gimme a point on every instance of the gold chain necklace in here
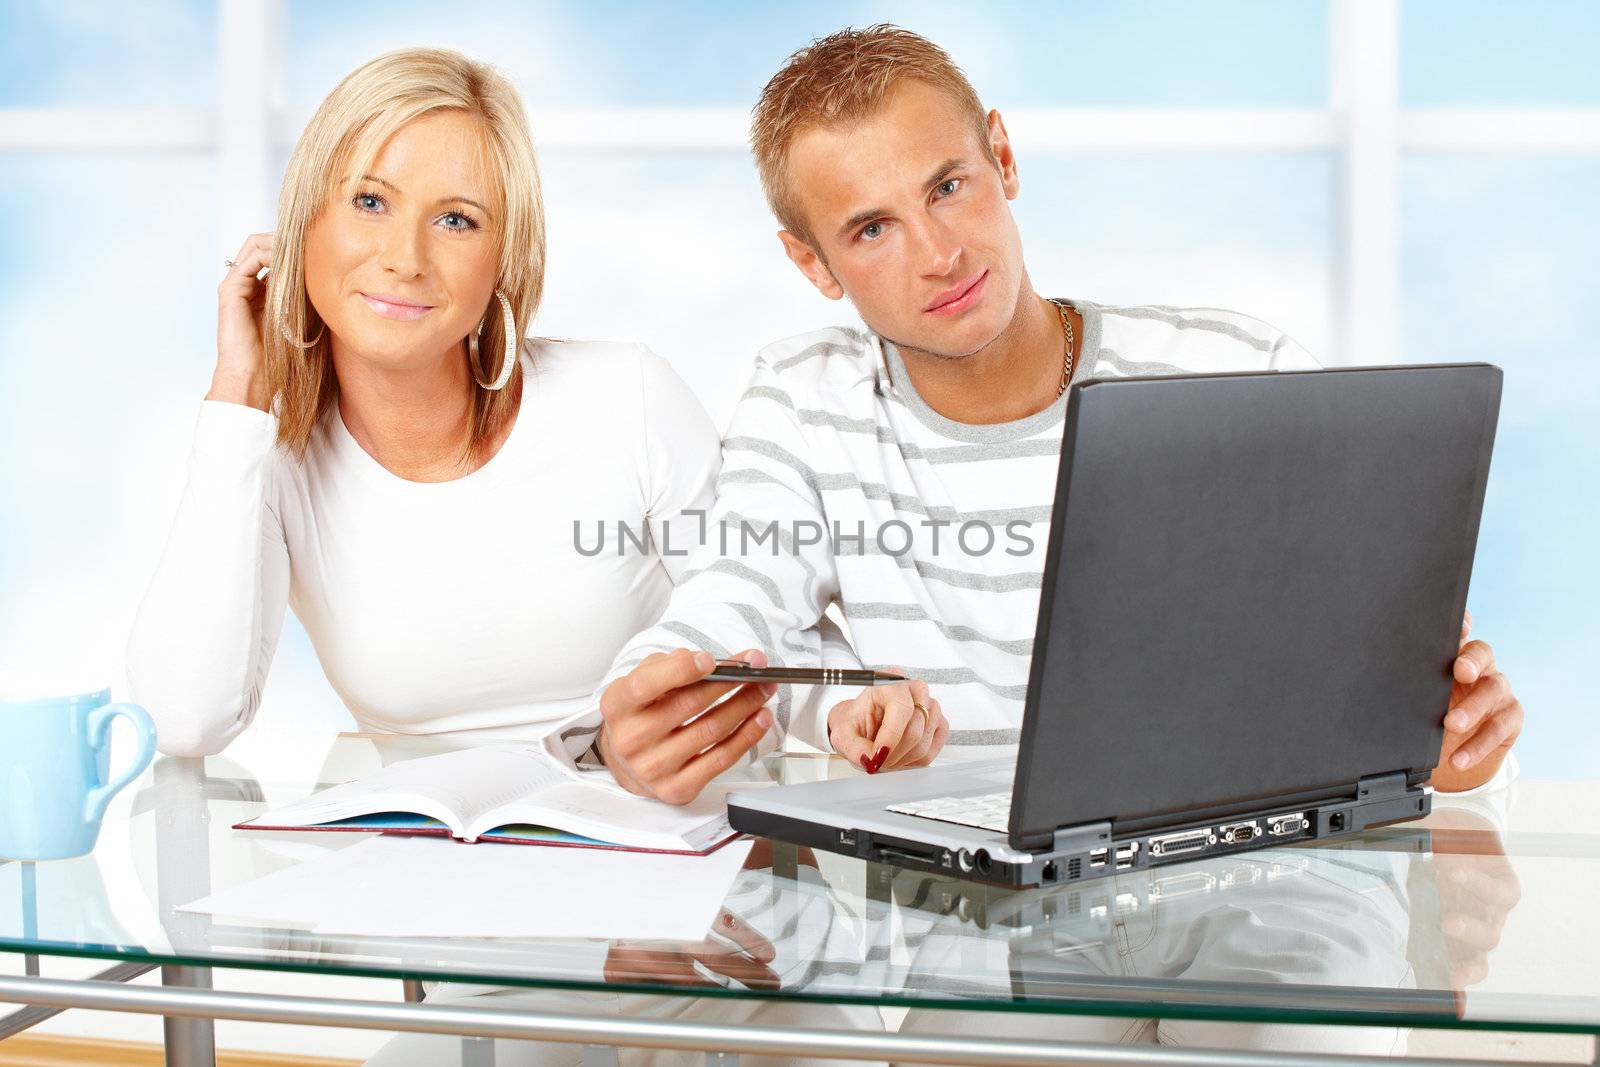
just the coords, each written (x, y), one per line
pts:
(1066, 347)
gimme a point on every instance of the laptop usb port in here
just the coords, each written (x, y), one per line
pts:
(1097, 858)
(1126, 854)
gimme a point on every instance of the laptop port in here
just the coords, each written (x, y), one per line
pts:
(1248, 874)
(1283, 867)
(1284, 825)
(1126, 854)
(1097, 858)
(1188, 841)
(1237, 833)
(904, 853)
(1182, 885)
(983, 862)
(964, 859)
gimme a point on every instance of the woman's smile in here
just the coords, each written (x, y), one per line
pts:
(393, 307)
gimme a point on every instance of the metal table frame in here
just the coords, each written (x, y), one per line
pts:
(192, 1003)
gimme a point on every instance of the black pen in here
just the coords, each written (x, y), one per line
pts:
(739, 671)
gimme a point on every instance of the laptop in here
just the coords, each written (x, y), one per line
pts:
(1252, 598)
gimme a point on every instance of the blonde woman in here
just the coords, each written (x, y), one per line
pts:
(383, 451)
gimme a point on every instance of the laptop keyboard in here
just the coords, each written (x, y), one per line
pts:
(989, 811)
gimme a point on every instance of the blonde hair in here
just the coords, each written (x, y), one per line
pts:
(343, 137)
(843, 78)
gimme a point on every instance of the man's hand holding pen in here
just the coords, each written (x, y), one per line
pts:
(664, 734)
(660, 734)
(891, 723)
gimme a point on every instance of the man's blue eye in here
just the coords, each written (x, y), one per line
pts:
(871, 230)
(949, 186)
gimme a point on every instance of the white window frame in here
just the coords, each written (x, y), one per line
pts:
(1363, 128)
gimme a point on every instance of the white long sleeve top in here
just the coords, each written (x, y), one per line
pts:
(483, 604)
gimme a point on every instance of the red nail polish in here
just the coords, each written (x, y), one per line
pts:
(883, 754)
(866, 765)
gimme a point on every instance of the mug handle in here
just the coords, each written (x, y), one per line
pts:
(94, 804)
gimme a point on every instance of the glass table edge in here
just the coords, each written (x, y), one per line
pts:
(1220, 1012)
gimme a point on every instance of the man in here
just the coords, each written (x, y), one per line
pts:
(904, 473)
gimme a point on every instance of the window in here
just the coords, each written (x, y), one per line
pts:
(1384, 179)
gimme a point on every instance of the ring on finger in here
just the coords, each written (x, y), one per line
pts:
(927, 719)
(230, 264)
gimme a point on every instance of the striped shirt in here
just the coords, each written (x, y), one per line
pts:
(840, 486)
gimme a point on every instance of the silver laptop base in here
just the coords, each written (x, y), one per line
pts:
(1090, 851)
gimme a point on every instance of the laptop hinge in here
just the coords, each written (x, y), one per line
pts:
(1378, 786)
(1082, 837)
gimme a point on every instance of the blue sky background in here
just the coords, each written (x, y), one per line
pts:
(109, 261)
(1165, 52)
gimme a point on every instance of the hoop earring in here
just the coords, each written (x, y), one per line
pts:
(283, 328)
(508, 360)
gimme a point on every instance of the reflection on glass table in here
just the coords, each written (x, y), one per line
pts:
(1471, 918)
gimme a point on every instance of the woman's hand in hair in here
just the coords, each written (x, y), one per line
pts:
(240, 376)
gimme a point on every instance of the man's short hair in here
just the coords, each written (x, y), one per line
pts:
(839, 79)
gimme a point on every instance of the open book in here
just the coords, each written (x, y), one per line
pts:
(503, 793)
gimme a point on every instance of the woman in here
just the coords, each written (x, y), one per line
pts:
(382, 451)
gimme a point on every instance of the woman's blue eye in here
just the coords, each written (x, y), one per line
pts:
(372, 203)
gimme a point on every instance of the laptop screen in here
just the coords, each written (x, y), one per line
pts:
(1254, 590)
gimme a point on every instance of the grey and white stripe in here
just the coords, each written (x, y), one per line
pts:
(832, 431)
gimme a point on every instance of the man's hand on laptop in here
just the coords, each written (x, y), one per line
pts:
(1483, 722)
(657, 736)
(885, 727)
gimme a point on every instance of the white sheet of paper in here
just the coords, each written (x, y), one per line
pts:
(432, 887)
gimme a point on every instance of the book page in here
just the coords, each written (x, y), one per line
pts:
(625, 819)
(454, 787)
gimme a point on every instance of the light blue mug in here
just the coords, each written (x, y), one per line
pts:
(55, 765)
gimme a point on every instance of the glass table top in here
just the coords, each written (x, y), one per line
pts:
(1482, 915)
